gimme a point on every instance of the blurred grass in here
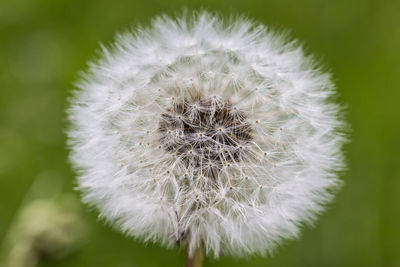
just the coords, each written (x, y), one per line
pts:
(44, 43)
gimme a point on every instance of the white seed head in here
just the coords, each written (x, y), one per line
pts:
(217, 136)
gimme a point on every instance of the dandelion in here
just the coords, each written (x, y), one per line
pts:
(217, 135)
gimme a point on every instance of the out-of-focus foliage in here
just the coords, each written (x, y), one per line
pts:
(44, 43)
(44, 229)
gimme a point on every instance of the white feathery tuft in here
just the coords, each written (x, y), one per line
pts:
(220, 135)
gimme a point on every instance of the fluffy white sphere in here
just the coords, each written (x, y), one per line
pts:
(215, 134)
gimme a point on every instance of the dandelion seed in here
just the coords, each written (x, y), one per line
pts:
(202, 114)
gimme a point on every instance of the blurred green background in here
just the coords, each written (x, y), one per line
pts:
(45, 43)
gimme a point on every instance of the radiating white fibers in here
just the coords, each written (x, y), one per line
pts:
(216, 134)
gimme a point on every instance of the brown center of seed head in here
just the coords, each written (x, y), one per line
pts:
(205, 131)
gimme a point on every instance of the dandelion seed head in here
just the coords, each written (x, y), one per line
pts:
(199, 132)
(190, 131)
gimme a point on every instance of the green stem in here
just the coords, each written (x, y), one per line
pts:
(196, 260)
